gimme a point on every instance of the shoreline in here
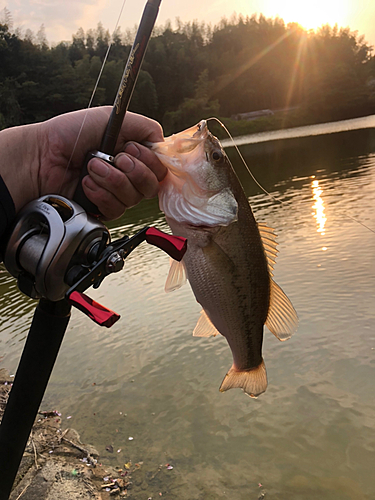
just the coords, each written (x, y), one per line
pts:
(56, 464)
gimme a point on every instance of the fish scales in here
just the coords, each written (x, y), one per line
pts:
(226, 263)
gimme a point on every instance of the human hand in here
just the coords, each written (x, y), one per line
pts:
(43, 154)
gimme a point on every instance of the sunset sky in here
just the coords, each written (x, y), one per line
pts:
(62, 18)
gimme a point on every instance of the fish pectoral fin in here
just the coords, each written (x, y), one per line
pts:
(253, 381)
(176, 276)
(205, 327)
(282, 319)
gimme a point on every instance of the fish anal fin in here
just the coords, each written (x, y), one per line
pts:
(282, 319)
(253, 382)
(204, 327)
(176, 276)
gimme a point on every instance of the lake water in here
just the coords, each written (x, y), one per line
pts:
(312, 434)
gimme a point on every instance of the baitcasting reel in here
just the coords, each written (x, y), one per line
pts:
(57, 251)
(51, 236)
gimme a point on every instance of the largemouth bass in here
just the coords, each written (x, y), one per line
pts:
(230, 258)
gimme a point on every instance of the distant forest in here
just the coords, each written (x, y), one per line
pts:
(193, 71)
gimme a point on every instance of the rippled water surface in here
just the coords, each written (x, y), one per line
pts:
(312, 434)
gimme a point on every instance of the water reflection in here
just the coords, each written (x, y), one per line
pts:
(311, 434)
(318, 206)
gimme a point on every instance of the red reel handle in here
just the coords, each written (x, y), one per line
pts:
(95, 311)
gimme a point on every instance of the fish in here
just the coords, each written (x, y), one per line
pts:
(230, 257)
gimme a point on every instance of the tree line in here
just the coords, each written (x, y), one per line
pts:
(193, 71)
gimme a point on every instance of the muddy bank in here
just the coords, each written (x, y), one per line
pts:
(56, 464)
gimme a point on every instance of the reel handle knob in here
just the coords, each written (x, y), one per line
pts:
(95, 311)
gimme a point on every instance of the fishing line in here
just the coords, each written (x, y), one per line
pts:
(243, 160)
(92, 95)
(359, 222)
(259, 185)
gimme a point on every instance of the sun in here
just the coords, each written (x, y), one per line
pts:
(310, 15)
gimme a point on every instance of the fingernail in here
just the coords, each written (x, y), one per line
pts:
(125, 163)
(131, 149)
(99, 168)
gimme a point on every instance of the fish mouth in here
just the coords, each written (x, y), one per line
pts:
(202, 133)
(184, 142)
(189, 139)
(201, 130)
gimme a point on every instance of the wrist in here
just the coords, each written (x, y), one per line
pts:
(19, 166)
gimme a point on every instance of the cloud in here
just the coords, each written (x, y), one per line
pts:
(57, 16)
(62, 18)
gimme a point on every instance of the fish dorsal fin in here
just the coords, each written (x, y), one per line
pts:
(176, 276)
(282, 319)
(269, 244)
(204, 327)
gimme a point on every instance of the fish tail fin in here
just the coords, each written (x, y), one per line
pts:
(253, 381)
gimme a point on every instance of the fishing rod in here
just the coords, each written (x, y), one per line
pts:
(122, 100)
(57, 250)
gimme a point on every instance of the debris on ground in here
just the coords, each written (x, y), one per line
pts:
(56, 464)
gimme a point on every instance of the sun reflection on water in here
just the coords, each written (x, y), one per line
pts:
(318, 206)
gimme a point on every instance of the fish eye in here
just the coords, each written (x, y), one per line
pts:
(217, 156)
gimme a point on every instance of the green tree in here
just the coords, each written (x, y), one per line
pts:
(102, 41)
(191, 71)
(77, 48)
(194, 109)
(145, 99)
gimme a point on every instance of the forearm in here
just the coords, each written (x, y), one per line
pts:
(19, 163)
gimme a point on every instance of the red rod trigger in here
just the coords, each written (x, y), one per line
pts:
(175, 246)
